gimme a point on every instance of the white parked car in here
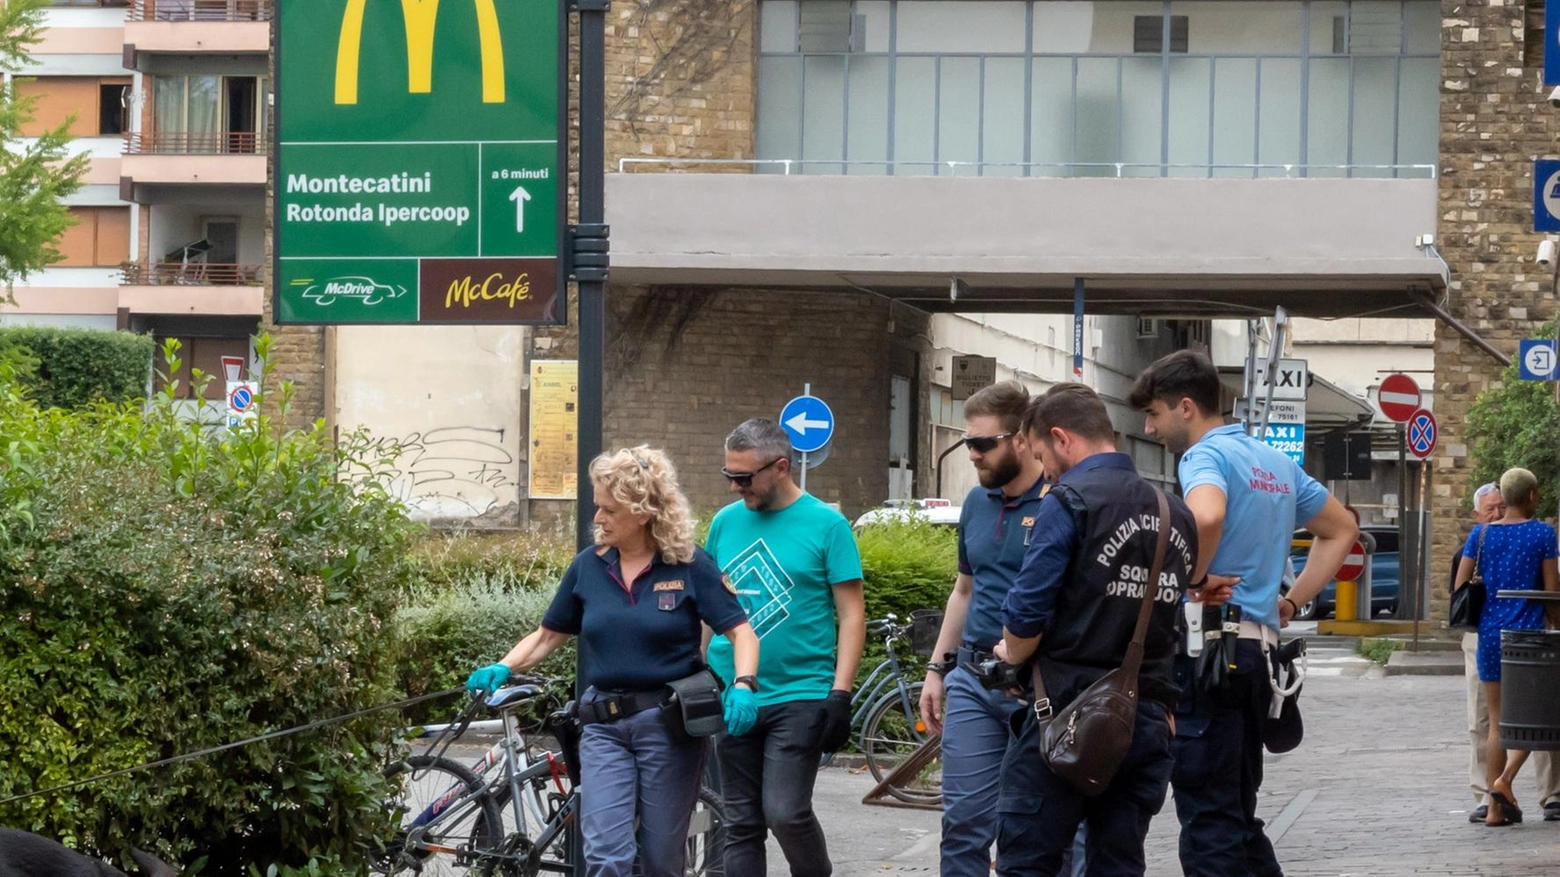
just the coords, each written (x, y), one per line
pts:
(940, 512)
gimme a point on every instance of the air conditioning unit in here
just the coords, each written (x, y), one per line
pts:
(1147, 328)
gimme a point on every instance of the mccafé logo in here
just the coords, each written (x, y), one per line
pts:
(419, 17)
(501, 290)
(467, 290)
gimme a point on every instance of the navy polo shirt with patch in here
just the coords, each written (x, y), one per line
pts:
(993, 535)
(641, 635)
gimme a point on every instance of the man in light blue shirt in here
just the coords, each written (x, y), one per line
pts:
(1247, 499)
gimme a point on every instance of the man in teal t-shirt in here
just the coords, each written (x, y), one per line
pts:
(794, 566)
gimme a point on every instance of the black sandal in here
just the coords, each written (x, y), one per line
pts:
(1510, 813)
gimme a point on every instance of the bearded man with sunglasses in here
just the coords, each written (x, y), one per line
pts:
(793, 563)
(994, 525)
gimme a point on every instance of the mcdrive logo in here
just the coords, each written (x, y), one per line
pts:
(365, 290)
(419, 17)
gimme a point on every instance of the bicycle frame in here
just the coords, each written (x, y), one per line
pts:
(887, 673)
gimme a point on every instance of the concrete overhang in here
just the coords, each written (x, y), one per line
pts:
(144, 41)
(1157, 247)
(232, 301)
(143, 174)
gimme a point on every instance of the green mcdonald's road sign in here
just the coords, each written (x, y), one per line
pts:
(420, 161)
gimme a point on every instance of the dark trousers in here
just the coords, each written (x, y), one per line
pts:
(767, 778)
(1040, 812)
(1218, 770)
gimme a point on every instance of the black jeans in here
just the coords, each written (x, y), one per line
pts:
(767, 778)
(1218, 770)
(1040, 812)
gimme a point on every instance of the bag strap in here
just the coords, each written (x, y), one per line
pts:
(1134, 659)
(1478, 553)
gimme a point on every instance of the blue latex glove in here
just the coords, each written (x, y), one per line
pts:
(741, 710)
(487, 678)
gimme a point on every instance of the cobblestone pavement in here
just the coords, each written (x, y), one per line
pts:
(1378, 788)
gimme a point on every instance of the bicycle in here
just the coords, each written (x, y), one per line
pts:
(886, 708)
(512, 812)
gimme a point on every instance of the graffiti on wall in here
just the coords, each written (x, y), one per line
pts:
(457, 472)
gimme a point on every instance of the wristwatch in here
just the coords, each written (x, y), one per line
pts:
(750, 681)
(942, 668)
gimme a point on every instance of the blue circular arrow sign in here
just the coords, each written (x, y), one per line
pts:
(809, 423)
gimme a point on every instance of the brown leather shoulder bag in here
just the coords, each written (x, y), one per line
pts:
(1086, 742)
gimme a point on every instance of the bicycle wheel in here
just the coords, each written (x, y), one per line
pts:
(444, 816)
(890, 736)
(706, 838)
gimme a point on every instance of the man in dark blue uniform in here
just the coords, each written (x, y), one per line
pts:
(1073, 609)
(994, 526)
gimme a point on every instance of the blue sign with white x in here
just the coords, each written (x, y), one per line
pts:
(1421, 434)
(809, 423)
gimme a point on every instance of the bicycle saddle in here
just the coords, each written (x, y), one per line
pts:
(512, 695)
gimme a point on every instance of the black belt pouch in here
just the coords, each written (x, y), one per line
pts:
(694, 708)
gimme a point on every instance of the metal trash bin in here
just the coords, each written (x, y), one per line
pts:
(1530, 689)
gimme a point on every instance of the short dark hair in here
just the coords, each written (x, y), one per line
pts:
(1184, 374)
(1005, 401)
(1073, 407)
(764, 436)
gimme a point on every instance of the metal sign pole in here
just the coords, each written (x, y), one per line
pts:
(806, 391)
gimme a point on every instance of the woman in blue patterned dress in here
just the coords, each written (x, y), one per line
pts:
(1514, 553)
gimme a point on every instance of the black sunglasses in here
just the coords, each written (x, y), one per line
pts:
(983, 444)
(744, 480)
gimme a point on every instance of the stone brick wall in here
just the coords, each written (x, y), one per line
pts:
(1495, 119)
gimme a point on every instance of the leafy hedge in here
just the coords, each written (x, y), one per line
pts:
(164, 589)
(74, 368)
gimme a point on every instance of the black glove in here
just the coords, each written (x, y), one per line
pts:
(834, 721)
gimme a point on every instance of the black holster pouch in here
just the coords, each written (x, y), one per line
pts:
(565, 725)
(693, 709)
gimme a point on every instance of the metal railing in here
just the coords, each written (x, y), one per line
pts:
(187, 143)
(1069, 170)
(201, 10)
(191, 274)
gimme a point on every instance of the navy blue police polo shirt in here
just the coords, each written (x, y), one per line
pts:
(993, 535)
(641, 635)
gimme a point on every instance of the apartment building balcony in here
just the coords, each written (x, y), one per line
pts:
(182, 159)
(196, 288)
(185, 28)
(1156, 246)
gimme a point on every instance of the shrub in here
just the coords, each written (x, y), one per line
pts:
(74, 368)
(518, 559)
(165, 588)
(1515, 424)
(907, 564)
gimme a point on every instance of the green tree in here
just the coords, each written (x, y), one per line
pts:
(1517, 423)
(35, 176)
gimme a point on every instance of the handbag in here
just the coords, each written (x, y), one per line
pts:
(1086, 742)
(1468, 600)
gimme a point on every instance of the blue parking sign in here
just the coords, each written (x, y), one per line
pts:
(1546, 193)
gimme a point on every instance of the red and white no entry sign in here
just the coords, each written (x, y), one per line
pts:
(1354, 565)
(1398, 397)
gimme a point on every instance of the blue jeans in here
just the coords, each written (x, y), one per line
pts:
(633, 767)
(975, 738)
(767, 778)
(1041, 812)
(1218, 770)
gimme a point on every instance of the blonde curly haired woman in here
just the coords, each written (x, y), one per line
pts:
(639, 599)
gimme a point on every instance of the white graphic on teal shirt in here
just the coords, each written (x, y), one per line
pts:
(763, 586)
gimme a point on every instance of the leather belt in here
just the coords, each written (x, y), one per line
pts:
(615, 707)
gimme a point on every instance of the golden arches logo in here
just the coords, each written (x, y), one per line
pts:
(420, 16)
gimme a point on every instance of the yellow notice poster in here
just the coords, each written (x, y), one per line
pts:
(555, 399)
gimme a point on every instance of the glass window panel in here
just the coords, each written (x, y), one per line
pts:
(1327, 122)
(1278, 128)
(868, 113)
(915, 114)
(168, 104)
(1096, 132)
(872, 19)
(1328, 19)
(204, 103)
(1078, 27)
(1051, 116)
(823, 110)
(1142, 115)
(825, 27)
(1419, 114)
(1375, 27)
(1240, 28)
(1189, 107)
(975, 26)
(779, 109)
(1234, 115)
(1421, 28)
(1375, 122)
(777, 26)
(1002, 131)
(958, 112)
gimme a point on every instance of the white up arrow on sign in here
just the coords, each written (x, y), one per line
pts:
(519, 196)
(801, 424)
